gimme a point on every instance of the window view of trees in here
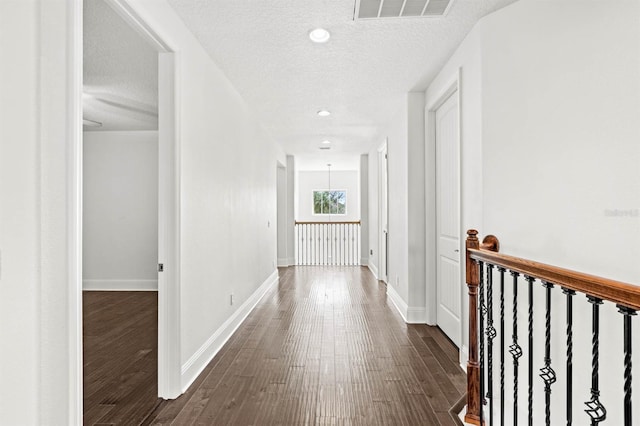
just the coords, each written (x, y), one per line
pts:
(329, 202)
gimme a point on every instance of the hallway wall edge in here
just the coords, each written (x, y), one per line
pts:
(203, 356)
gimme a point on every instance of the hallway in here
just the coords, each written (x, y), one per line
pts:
(324, 348)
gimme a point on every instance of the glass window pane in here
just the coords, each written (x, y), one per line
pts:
(329, 202)
(317, 202)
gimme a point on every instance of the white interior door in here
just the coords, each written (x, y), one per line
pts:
(448, 218)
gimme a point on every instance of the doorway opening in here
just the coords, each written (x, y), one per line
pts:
(130, 214)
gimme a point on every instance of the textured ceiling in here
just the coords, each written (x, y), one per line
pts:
(320, 160)
(361, 74)
(120, 72)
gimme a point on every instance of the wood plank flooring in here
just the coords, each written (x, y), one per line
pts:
(324, 348)
(120, 331)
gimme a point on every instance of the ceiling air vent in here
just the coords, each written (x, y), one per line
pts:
(377, 9)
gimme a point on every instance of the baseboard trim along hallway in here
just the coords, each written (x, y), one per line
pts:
(373, 269)
(120, 285)
(194, 366)
(411, 315)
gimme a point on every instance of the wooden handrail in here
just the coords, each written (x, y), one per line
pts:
(357, 222)
(622, 294)
(614, 291)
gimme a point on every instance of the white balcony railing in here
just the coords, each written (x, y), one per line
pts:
(327, 243)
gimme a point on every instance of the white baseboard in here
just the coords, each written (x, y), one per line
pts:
(203, 356)
(373, 269)
(416, 315)
(120, 285)
(397, 301)
(364, 261)
(283, 262)
(291, 261)
(410, 315)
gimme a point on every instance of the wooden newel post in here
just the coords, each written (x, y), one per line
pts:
(474, 404)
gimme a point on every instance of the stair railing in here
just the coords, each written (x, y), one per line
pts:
(327, 243)
(484, 265)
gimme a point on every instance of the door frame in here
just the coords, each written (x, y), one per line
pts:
(169, 365)
(281, 215)
(451, 87)
(383, 192)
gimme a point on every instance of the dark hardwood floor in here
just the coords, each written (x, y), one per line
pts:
(120, 331)
(324, 348)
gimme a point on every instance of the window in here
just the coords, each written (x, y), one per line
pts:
(330, 202)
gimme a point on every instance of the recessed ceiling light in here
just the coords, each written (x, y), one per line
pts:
(326, 142)
(324, 113)
(319, 35)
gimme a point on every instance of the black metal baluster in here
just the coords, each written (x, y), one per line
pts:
(482, 310)
(491, 334)
(595, 409)
(628, 313)
(530, 281)
(502, 271)
(515, 350)
(569, 401)
(546, 372)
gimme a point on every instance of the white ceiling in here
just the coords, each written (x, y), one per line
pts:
(120, 72)
(361, 74)
(319, 160)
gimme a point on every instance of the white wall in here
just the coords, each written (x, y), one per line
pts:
(228, 195)
(120, 210)
(397, 152)
(364, 209)
(550, 100)
(291, 209)
(309, 181)
(38, 360)
(405, 148)
(19, 214)
(570, 123)
(561, 101)
(416, 207)
(373, 256)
